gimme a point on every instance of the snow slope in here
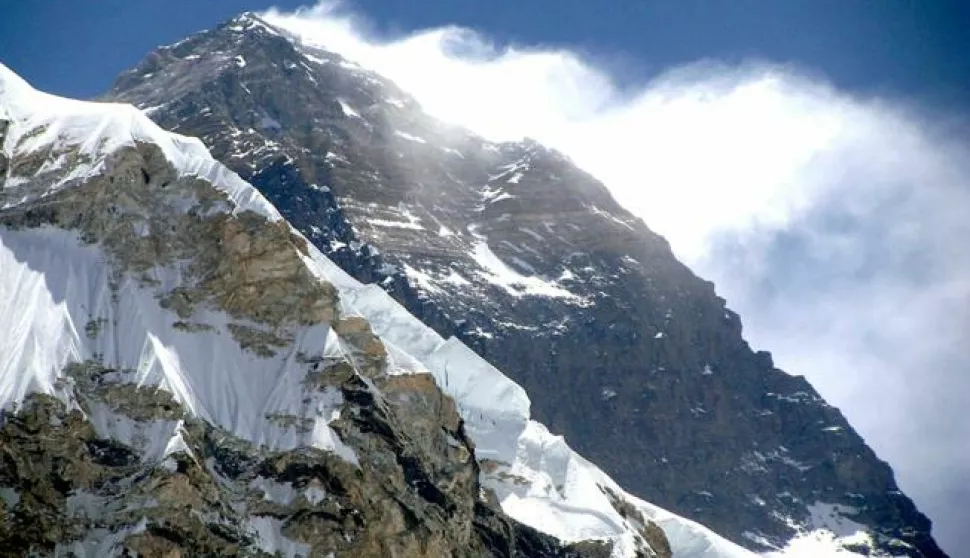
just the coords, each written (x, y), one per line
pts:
(52, 288)
(561, 494)
(51, 123)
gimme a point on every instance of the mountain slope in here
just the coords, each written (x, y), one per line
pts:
(181, 373)
(531, 263)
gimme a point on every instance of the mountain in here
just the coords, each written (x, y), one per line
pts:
(183, 374)
(531, 263)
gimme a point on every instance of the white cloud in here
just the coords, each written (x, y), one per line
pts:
(836, 225)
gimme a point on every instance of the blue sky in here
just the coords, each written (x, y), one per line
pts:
(904, 47)
(818, 172)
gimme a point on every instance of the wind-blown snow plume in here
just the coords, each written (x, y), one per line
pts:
(833, 223)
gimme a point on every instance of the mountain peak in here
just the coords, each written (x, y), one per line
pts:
(250, 21)
(298, 317)
(531, 263)
(12, 85)
(46, 132)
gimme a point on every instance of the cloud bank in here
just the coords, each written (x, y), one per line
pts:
(836, 225)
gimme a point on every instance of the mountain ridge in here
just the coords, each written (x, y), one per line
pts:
(178, 346)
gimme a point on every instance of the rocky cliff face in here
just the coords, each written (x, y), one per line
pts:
(529, 261)
(181, 373)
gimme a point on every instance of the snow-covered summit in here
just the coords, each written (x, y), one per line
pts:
(54, 126)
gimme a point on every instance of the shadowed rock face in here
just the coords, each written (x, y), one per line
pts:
(412, 488)
(531, 262)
